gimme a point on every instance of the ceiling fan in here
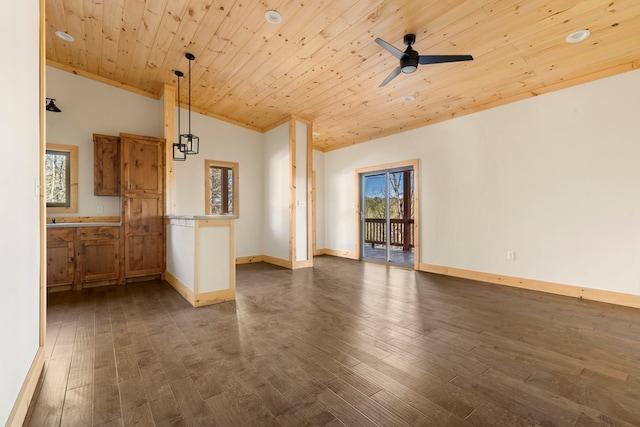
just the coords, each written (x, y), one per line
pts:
(409, 59)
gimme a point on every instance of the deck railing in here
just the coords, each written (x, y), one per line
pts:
(401, 233)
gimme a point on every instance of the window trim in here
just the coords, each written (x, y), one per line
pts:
(73, 181)
(207, 185)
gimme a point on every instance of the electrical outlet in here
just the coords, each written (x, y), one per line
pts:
(100, 209)
(511, 255)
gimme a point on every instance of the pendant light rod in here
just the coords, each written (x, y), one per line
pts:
(179, 74)
(190, 57)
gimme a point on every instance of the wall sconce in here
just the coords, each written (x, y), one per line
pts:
(51, 106)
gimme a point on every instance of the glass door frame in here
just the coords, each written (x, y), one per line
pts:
(362, 176)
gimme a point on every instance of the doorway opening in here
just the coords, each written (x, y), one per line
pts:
(387, 215)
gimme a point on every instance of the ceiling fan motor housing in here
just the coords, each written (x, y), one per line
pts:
(409, 61)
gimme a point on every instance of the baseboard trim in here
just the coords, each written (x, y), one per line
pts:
(249, 259)
(341, 254)
(277, 261)
(302, 264)
(610, 297)
(21, 406)
(181, 288)
(215, 297)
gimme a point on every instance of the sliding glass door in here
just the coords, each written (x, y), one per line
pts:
(387, 216)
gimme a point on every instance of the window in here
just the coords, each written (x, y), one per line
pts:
(61, 178)
(221, 188)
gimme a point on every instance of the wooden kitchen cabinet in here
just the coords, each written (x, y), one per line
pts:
(60, 258)
(143, 238)
(98, 255)
(81, 257)
(106, 162)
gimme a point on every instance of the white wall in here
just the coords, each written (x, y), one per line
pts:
(90, 107)
(553, 178)
(318, 169)
(20, 207)
(230, 143)
(276, 193)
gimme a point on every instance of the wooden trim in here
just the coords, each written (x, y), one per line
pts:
(42, 200)
(82, 219)
(310, 198)
(292, 191)
(341, 254)
(610, 297)
(277, 261)
(169, 119)
(21, 405)
(314, 226)
(414, 163)
(249, 259)
(215, 297)
(101, 79)
(180, 287)
(276, 124)
(73, 185)
(302, 264)
(198, 110)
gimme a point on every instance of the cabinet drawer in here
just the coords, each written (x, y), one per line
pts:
(98, 233)
(58, 236)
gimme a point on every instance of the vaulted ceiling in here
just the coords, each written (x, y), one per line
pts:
(322, 64)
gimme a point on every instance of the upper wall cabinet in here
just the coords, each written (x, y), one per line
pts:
(142, 164)
(106, 157)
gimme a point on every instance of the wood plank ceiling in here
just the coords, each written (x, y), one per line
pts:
(323, 65)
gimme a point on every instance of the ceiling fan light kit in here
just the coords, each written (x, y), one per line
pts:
(410, 58)
(188, 143)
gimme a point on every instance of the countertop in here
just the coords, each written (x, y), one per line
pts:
(83, 224)
(201, 217)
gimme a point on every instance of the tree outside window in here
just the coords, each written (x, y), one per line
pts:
(61, 178)
(221, 187)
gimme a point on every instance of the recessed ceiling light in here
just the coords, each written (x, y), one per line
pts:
(408, 98)
(64, 36)
(273, 17)
(578, 36)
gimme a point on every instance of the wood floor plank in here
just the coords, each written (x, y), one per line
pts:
(343, 343)
(77, 409)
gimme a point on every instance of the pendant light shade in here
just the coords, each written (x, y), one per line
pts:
(188, 143)
(51, 106)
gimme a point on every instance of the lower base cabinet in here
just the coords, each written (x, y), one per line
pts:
(98, 255)
(82, 257)
(61, 258)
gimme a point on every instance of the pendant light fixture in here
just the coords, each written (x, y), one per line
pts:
(179, 151)
(188, 142)
(51, 106)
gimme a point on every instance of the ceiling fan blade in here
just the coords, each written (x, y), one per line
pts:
(392, 49)
(438, 59)
(391, 76)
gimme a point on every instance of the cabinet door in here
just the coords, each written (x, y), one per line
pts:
(142, 164)
(106, 165)
(142, 205)
(60, 257)
(99, 254)
(144, 235)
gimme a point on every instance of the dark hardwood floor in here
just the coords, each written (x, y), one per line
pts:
(343, 343)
